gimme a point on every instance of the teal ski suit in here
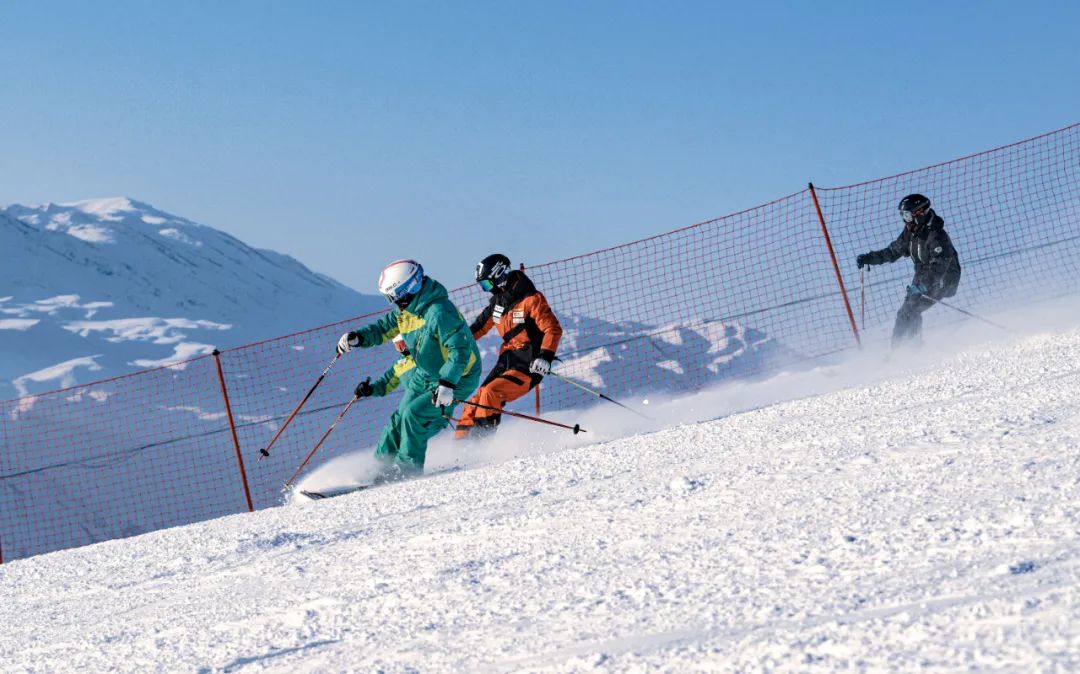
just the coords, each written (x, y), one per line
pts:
(441, 348)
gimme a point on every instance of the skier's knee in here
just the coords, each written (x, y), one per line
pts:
(486, 396)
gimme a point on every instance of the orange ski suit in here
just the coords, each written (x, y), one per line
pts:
(530, 330)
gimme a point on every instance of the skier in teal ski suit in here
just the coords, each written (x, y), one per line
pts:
(441, 360)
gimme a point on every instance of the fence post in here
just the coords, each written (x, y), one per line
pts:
(836, 267)
(2, 447)
(232, 428)
(536, 389)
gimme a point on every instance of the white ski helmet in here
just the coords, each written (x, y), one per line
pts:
(400, 280)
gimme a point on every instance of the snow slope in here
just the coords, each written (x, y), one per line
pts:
(97, 288)
(921, 519)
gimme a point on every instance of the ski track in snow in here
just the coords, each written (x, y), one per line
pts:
(927, 521)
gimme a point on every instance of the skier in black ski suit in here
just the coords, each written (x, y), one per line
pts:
(937, 265)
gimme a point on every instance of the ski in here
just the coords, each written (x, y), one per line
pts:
(331, 492)
(337, 491)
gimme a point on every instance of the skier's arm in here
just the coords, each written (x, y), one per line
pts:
(391, 379)
(379, 332)
(458, 344)
(891, 253)
(548, 323)
(482, 324)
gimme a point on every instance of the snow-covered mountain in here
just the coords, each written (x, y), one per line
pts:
(98, 288)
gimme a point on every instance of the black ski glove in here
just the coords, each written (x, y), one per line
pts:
(364, 389)
(863, 260)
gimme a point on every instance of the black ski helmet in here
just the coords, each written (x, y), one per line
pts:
(915, 209)
(491, 272)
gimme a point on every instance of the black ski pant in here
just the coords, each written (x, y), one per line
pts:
(909, 319)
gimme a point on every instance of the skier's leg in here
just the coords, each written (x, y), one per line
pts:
(496, 393)
(393, 438)
(390, 439)
(921, 305)
(468, 419)
(421, 421)
(503, 389)
(907, 320)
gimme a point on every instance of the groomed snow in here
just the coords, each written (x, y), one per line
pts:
(924, 520)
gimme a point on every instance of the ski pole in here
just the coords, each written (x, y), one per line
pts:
(968, 313)
(322, 440)
(575, 428)
(265, 452)
(598, 394)
(862, 298)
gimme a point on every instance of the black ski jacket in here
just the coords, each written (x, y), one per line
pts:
(937, 264)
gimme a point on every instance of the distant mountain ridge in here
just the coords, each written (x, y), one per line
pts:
(102, 287)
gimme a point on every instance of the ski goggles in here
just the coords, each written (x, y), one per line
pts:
(909, 216)
(487, 284)
(406, 289)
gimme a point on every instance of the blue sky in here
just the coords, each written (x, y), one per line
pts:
(350, 134)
